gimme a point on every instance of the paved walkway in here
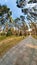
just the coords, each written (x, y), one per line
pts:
(25, 53)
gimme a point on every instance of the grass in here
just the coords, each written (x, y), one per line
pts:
(8, 43)
(35, 36)
(2, 38)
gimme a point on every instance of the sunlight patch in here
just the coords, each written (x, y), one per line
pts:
(31, 46)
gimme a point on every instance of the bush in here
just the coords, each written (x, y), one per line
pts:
(9, 33)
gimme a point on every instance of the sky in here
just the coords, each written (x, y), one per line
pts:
(16, 12)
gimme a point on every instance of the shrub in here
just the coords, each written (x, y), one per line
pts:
(9, 33)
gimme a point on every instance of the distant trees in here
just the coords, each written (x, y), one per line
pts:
(24, 26)
(21, 25)
(33, 25)
(16, 22)
(9, 33)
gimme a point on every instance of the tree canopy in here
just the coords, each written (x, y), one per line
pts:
(5, 14)
(29, 8)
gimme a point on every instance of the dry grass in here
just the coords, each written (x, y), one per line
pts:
(35, 36)
(2, 38)
(8, 43)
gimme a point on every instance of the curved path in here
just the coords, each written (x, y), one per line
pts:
(25, 53)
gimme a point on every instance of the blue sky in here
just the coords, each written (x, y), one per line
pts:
(16, 12)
